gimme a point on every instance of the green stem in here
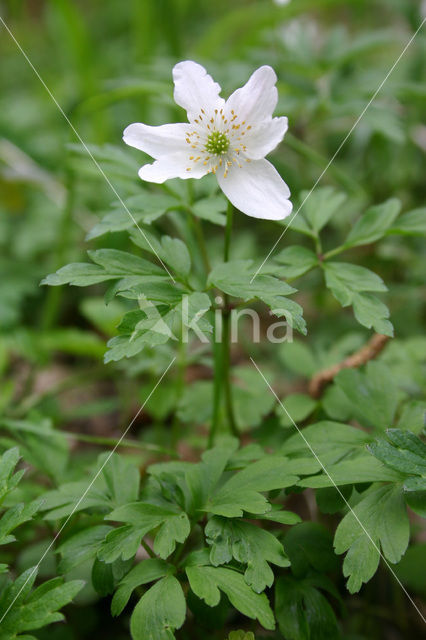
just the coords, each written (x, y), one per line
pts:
(222, 355)
(226, 334)
(226, 361)
(217, 389)
(318, 245)
(180, 386)
(148, 549)
(334, 252)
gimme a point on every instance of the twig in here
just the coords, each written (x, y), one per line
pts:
(368, 352)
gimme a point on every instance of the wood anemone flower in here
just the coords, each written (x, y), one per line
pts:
(229, 139)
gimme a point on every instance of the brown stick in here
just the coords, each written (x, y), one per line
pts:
(368, 352)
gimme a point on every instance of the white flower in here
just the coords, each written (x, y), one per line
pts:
(229, 139)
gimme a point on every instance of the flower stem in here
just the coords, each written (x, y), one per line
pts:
(179, 388)
(226, 361)
(217, 390)
(222, 356)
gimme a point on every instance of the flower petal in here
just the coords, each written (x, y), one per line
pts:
(175, 165)
(257, 189)
(263, 138)
(258, 98)
(195, 89)
(156, 141)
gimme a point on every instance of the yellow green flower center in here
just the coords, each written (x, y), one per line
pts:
(217, 143)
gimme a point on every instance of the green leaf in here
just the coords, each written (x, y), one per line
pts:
(299, 407)
(344, 279)
(174, 529)
(372, 394)
(298, 357)
(176, 255)
(39, 608)
(9, 480)
(373, 224)
(192, 484)
(309, 546)
(14, 517)
(195, 402)
(82, 547)
(153, 325)
(211, 209)
(236, 279)
(411, 223)
(384, 523)
(44, 447)
(143, 517)
(302, 612)
(123, 263)
(296, 260)
(413, 416)
(404, 452)
(242, 491)
(331, 500)
(348, 284)
(241, 635)
(251, 403)
(299, 224)
(18, 590)
(145, 208)
(123, 543)
(277, 515)
(117, 484)
(121, 477)
(144, 572)
(79, 274)
(115, 159)
(19, 513)
(111, 264)
(320, 205)
(105, 576)
(331, 441)
(361, 468)
(336, 404)
(372, 313)
(160, 611)
(205, 582)
(247, 544)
